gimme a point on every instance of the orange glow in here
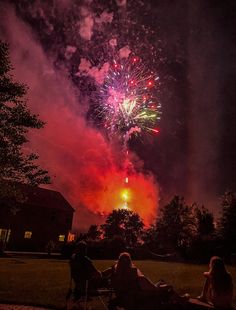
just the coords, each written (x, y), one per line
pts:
(140, 195)
(70, 237)
(125, 206)
(125, 194)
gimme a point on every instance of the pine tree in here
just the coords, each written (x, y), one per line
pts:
(15, 122)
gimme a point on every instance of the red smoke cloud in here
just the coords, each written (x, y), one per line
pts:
(141, 190)
(83, 165)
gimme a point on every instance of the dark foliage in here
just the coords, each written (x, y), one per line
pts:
(125, 224)
(176, 225)
(15, 121)
(227, 222)
(205, 221)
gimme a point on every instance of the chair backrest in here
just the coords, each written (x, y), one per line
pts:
(125, 282)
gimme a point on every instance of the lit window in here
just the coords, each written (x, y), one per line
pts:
(71, 237)
(61, 238)
(28, 234)
(4, 235)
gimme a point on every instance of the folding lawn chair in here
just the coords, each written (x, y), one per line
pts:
(104, 295)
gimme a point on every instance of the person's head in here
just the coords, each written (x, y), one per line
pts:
(81, 247)
(124, 261)
(217, 265)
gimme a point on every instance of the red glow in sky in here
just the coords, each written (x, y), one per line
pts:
(140, 193)
(84, 166)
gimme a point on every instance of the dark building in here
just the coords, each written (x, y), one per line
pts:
(43, 217)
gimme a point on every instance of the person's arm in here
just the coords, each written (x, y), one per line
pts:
(206, 274)
(206, 286)
(144, 283)
(107, 272)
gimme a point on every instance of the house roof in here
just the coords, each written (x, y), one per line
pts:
(45, 198)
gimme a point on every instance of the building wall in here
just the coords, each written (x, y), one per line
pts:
(45, 224)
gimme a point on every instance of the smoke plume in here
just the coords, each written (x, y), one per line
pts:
(82, 163)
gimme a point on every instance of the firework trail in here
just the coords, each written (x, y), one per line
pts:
(128, 106)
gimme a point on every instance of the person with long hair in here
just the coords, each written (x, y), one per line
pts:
(84, 274)
(135, 291)
(218, 286)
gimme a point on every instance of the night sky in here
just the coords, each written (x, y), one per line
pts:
(190, 45)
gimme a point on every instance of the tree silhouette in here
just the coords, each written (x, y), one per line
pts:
(15, 121)
(175, 225)
(150, 238)
(205, 221)
(227, 222)
(94, 233)
(125, 224)
(204, 243)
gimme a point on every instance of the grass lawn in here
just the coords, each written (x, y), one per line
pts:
(45, 281)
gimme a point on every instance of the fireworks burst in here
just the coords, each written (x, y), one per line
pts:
(84, 37)
(128, 106)
(128, 103)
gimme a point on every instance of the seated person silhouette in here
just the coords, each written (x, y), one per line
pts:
(133, 290)
(218, 286)
(84, 274)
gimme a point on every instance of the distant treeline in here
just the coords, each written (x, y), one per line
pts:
(180, 232)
